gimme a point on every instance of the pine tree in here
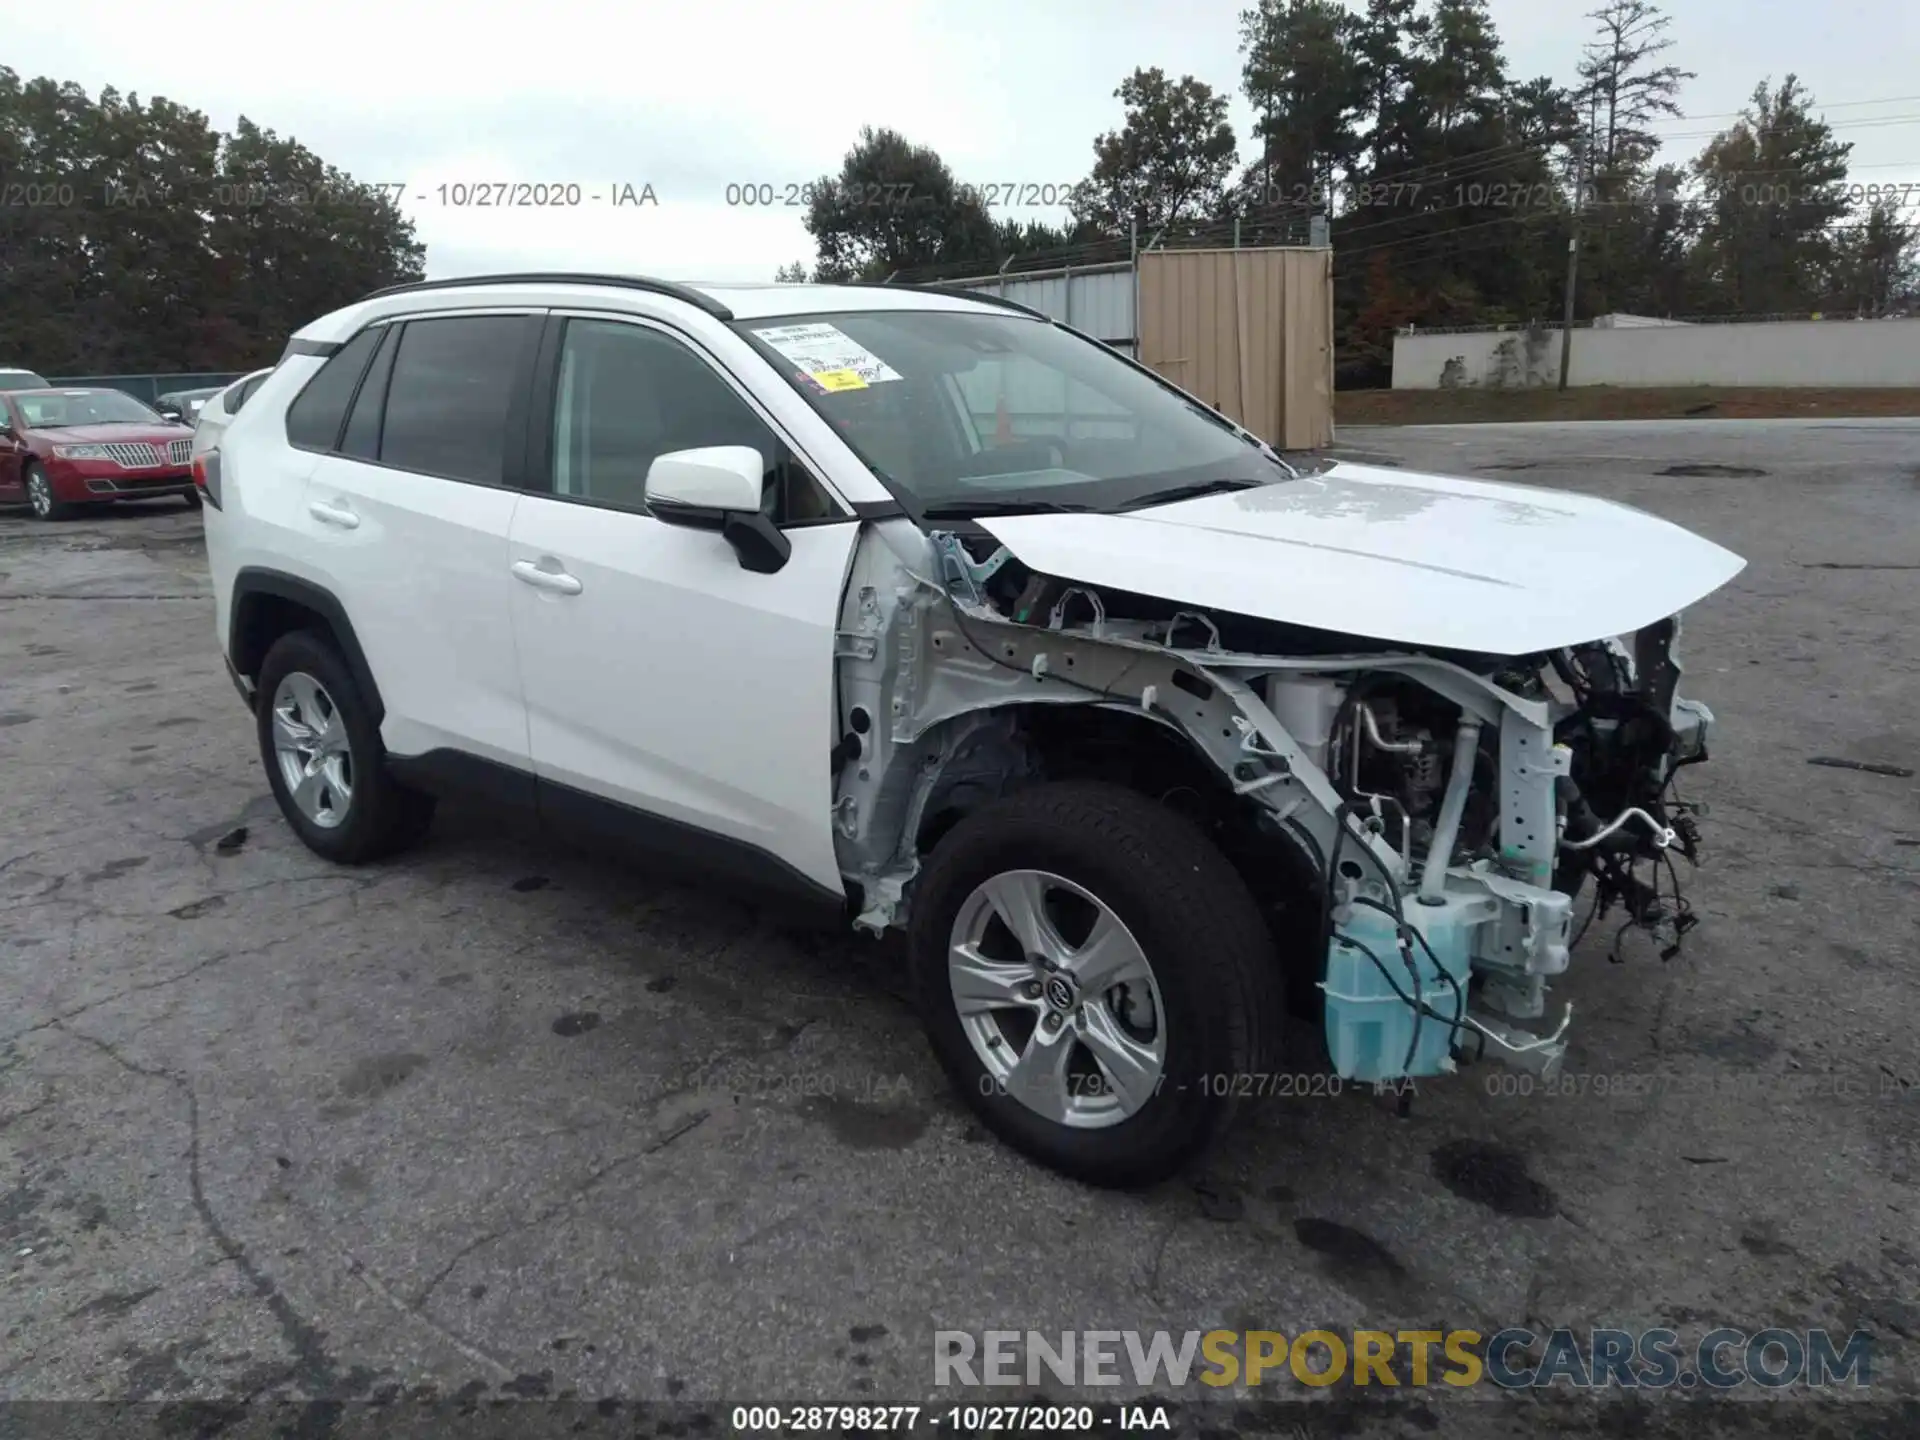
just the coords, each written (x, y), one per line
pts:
(1169, 162)
(1772, 189)
(1303, 76)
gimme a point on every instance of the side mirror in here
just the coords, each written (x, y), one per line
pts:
(719, 487)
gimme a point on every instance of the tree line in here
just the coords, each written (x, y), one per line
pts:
(1452, 186)
(134, 237)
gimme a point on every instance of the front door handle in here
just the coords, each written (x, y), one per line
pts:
(558, 581)
(334, 515)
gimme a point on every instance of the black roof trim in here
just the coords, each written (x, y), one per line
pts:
(693, 297)
(958, 292)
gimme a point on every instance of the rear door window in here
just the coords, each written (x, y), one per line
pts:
(362, 437)
(448, 397)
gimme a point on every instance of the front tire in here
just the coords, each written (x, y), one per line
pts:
(192, 497)
(41, 500)
(1093, 976)
(324, 758)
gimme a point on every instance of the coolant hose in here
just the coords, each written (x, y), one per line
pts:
(1433, 874)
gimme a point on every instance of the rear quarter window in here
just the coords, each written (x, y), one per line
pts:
(243, 392)
(317, 413)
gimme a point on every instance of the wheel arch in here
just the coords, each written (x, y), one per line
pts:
(1151, 755)
(267, 604)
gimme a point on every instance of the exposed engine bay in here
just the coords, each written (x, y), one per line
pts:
(1422, 823)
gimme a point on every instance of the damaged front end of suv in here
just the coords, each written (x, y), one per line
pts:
(1417, 820)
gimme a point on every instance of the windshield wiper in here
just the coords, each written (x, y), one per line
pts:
(987, 509)
(1192, 492)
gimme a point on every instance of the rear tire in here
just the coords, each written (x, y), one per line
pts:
(1201, 996)
(324, 759)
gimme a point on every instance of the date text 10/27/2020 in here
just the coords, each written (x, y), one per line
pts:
(451, 194)
(961, 1419)
(875, 195)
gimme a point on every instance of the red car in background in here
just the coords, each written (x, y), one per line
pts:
(61, 449)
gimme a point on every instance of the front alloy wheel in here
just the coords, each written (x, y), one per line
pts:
(310, 742)
(1094, 977)
(1057, 998)
(40, 498)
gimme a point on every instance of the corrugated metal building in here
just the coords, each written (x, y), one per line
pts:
(1250, 331)
(1097, 299)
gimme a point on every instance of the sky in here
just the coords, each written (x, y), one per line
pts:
(673, 103)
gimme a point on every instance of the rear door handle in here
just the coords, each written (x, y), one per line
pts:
(558, 581)
(334, 515)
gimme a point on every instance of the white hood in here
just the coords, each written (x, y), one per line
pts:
(1419, 560)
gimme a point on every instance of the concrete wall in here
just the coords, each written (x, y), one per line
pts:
(1787, 352)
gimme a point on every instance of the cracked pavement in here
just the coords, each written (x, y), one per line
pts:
(506, 1118)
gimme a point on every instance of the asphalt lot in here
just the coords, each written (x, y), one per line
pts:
(505, 1114)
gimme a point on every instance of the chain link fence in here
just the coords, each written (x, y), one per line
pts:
(1286, 228)
(148, 388)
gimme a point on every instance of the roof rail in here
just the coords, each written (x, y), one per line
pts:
(960, 292)
(545, 277)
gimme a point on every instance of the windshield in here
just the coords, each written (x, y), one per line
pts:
(84, 407)
(968, 412)
(20, 380)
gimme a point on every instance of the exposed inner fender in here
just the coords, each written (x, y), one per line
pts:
(912, 661)
(921, 670)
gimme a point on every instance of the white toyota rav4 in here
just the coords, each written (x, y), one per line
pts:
(929, 609)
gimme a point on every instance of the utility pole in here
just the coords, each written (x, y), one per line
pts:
(1573, 242)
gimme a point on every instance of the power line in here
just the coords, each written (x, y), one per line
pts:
(1349, 232)
(1439, 252)
(1876, 122)
(1514, 150)
(1439, 245)
(1835, 105)
(1440, 236)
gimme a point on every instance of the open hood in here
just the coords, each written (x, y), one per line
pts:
(1424, 561)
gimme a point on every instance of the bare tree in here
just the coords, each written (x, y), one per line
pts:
(1622, 86)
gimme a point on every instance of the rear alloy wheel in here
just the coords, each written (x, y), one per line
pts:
(41, 499)
(310, 742)
(1093, 976)
(324, 759)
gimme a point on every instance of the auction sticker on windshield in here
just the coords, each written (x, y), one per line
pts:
(828, 356)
